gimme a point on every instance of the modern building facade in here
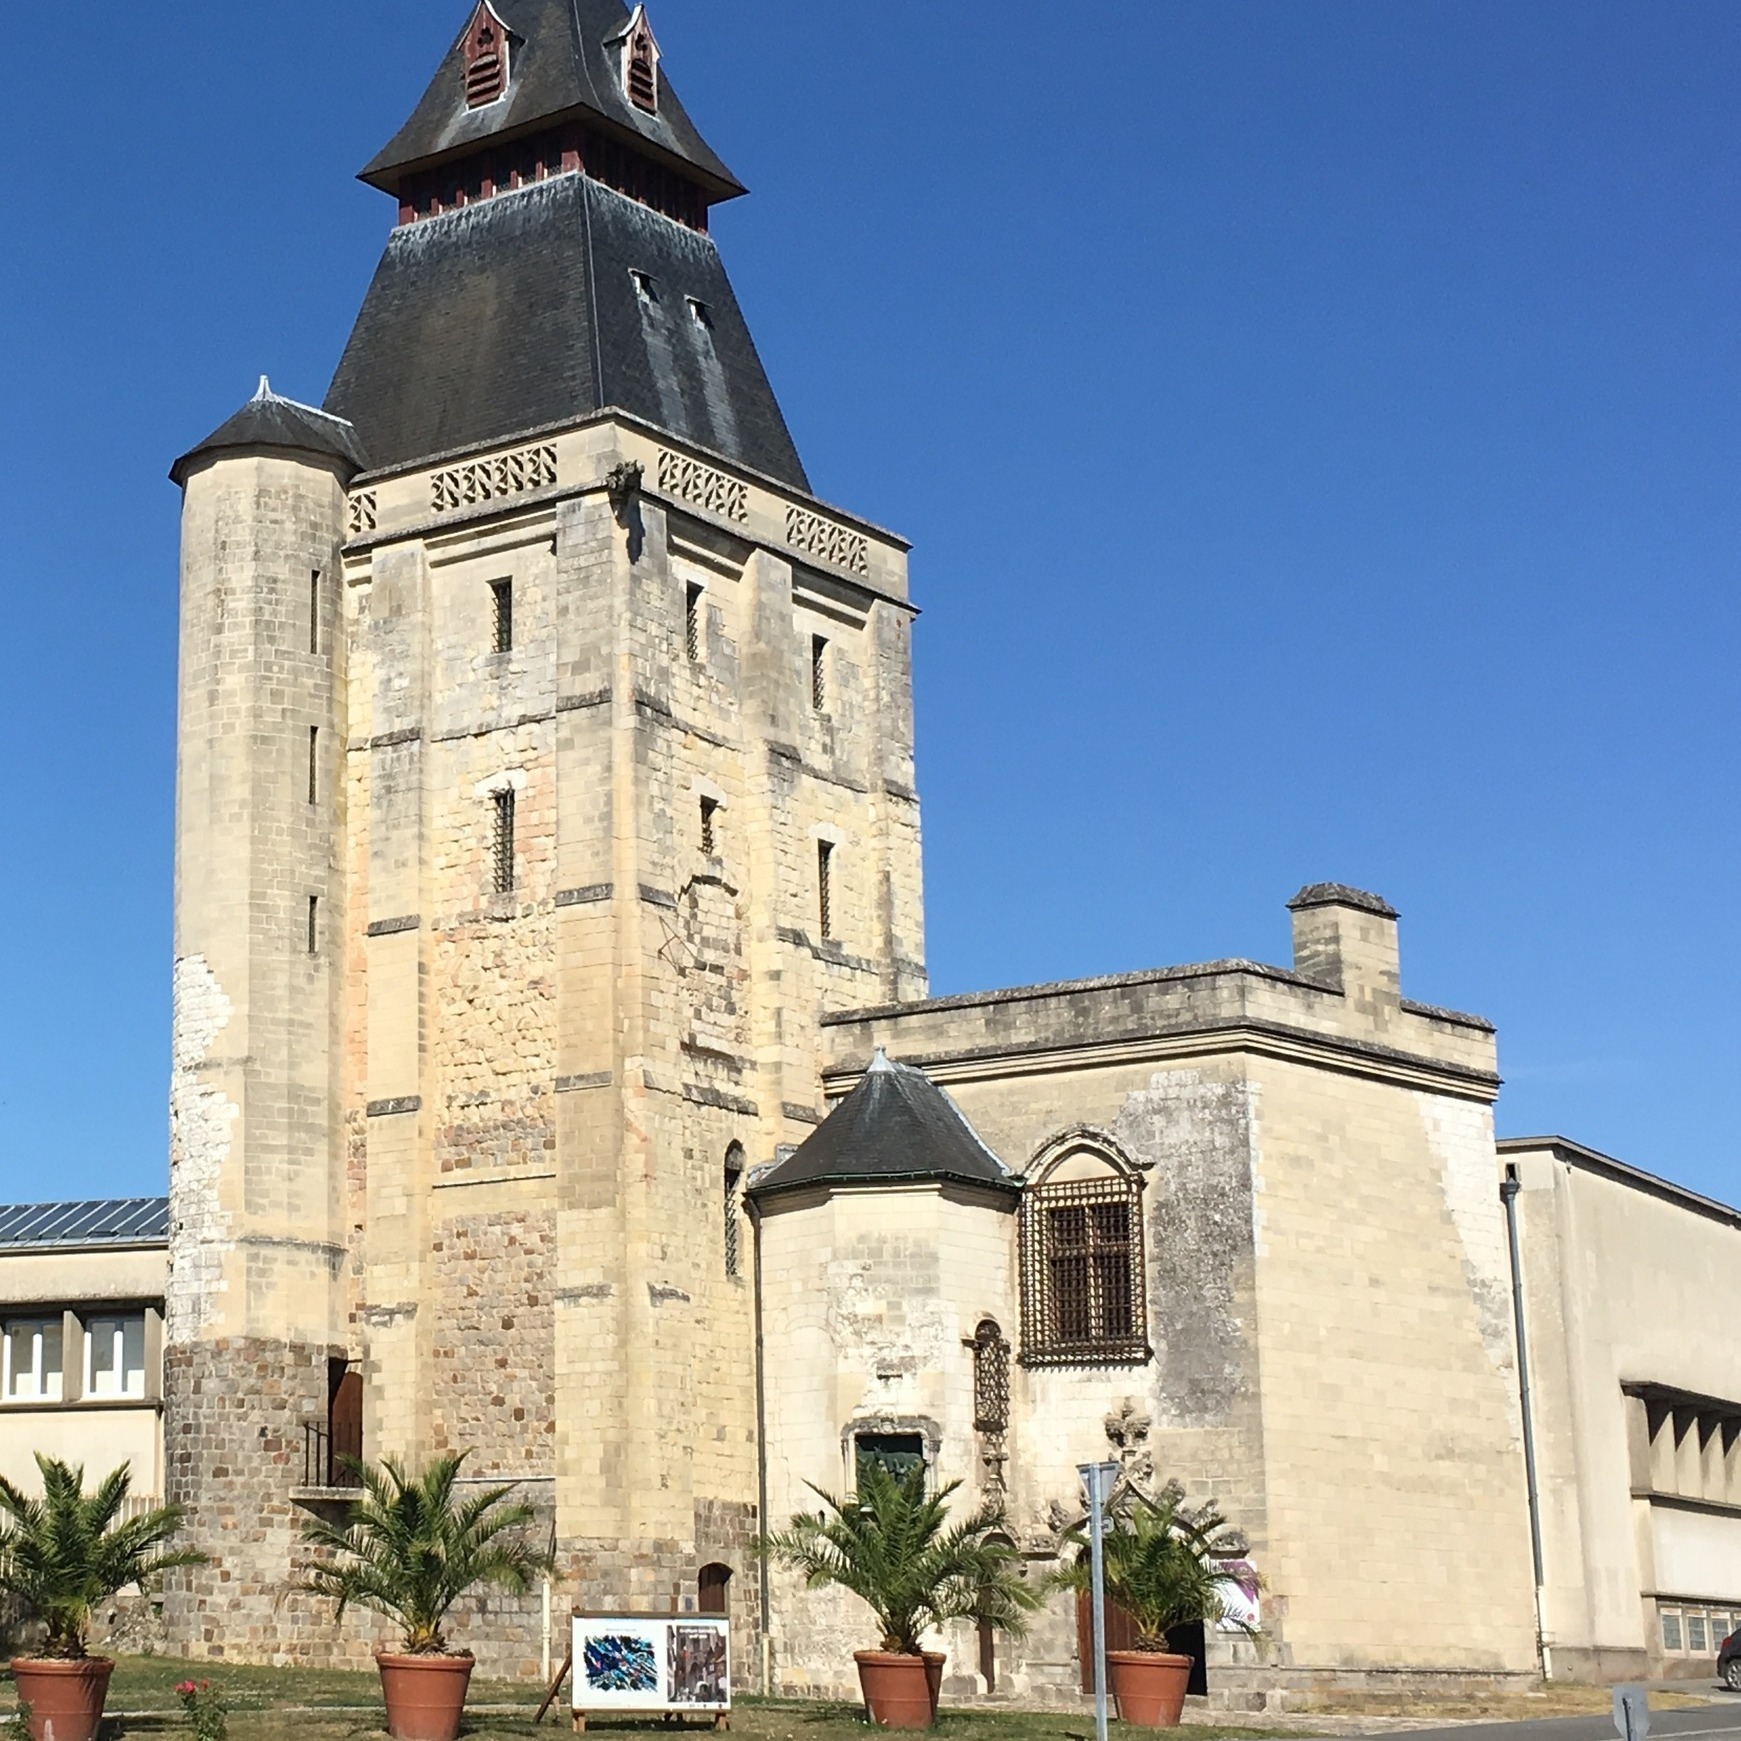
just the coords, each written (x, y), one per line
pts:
(81, 1339)
(548, 866)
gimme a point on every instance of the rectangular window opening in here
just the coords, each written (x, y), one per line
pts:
(898, 1453)
(819, 673)
(709, 827)
(115, 1356)
(504, 597)
(30, 1354)
(502, 844)
(313, 763)
(314, 924)
(1671, 1630)
(1695, 1632)
(692, 623)
(314, 612)
(825, 886)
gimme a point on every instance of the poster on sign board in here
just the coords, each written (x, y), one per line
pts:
(641, 1662)
(1239, 1597)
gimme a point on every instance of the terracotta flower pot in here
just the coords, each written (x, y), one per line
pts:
(897, 1688)
(425, 1695)
(934, 1661)
(1149, 1686)
(69, 1696)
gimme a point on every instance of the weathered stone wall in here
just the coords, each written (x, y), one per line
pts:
(1325, 1266)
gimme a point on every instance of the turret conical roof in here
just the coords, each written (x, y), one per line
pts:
(897, 1126)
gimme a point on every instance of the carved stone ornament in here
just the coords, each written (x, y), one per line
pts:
(623, 485)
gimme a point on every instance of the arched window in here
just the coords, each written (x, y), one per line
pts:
(1083, 1298)
(485, 53)
(734, 1177)
(991, 1378)
(713, 1589)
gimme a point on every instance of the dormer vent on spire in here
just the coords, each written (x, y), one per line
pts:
(641, 63)
(484, 49)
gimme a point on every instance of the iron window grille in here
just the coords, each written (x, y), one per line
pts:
(1082, 1274)
(991, 1379)
(502, 844)
(819, 673)
(692, 603)
(709, 827)
(825, 887)
(504, 625)
(734, 1173)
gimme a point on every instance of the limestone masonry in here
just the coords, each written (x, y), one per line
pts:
(548, 868)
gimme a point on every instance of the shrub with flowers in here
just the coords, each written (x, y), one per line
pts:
(205, 1708)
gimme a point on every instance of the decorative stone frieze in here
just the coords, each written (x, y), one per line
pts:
(484, 480)
(827, 541)
(704, 486)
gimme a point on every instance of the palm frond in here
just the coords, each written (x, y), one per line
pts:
(893, 1547)
(408, 1549)
(64, 1554)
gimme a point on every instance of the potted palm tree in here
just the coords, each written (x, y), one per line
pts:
(409, 1548)
(62, 1556)
(894, 1548)
(1164, 1569)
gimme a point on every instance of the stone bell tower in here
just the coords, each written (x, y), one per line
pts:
(516, 883)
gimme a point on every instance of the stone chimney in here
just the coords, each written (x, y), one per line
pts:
(1346, 938)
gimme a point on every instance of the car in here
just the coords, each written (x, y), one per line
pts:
(1729, 1661)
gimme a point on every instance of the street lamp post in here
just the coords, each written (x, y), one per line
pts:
(1098, 1480)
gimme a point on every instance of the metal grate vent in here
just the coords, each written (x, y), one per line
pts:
(991, 1379)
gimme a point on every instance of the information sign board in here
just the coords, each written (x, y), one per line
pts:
(666, 1663)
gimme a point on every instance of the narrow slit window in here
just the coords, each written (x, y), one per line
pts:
(314, 924)
(313, 763)
(825, 886)
(502, 844)
(819, 673)
(503, 591)
(692, 621)
(709, 827)
(314, 612)
(734, 1174)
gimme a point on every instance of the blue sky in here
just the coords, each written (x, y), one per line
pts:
(1319, 425)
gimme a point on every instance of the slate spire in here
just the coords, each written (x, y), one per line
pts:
(552, 258)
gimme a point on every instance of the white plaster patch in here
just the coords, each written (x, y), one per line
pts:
(1460, 1136)
(200, 1119)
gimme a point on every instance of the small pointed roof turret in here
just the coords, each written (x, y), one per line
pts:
(270, 422)
(896, 1127)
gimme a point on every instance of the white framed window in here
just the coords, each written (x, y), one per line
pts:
(115, 1356)
(1671, 1629)
(1695, 1632)
(30, 1360)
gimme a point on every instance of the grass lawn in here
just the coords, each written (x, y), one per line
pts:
(269, 1704)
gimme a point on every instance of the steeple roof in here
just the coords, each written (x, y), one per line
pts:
(270, 421)
(895, 1127)
(565, 64)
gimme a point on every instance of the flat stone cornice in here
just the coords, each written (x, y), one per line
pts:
(1215, 1039)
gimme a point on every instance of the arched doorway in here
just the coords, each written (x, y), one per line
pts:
(713, 1589)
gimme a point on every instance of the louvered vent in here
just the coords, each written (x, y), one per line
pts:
(643, 76)
(486, 59)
